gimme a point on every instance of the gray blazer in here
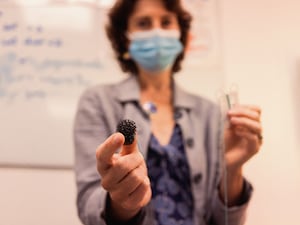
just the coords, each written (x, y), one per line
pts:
(99, 110)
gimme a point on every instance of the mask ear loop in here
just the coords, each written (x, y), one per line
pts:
(227, 100)
(225, 174)
(224, 102)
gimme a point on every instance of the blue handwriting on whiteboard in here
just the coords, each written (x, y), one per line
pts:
(31, 94)
(76, 79)
(8, 95)
(73, 63)
(10, 27)
(38, 29)
(9, 78)
(10, 61)
(9, 42)
(33, 42)
(15, 82)
(48, 63)
(26, 94)
(55, 43)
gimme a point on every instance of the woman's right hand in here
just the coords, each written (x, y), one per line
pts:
(124, 175)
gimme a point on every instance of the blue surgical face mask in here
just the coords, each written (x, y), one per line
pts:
(155, 50)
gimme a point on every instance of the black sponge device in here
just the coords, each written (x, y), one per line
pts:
(128, 129)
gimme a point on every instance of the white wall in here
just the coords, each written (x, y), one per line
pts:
(37, 197)
(261, 43)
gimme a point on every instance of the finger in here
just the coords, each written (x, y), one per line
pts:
(245, 111)
(128, 184)
(251, 107)
(250, 136)
(254, 108)
(246, 123)
(137, 199)
(141, 195)
(134, 178)
(121, 168)
(106, 150)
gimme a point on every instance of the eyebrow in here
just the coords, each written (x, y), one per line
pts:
(145, 17)
(141, 18)
(168, 14)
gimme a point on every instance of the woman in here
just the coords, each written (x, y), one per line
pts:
(174, 175)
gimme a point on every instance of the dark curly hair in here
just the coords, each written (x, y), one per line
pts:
(117, 27)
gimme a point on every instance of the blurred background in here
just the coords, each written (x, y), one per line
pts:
(254, 45)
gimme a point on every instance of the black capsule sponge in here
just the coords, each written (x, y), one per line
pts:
(128, 129)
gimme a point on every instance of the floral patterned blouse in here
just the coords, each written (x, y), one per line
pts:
(169, 173)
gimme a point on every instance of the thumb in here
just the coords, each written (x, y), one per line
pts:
(130, 148)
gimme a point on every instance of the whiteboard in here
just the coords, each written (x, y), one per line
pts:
(49, 54)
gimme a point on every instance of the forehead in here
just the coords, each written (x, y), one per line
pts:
(150, 8)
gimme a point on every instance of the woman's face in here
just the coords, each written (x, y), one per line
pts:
(151, 14)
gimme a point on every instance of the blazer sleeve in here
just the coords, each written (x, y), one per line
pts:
(235, 215)
(89, 131)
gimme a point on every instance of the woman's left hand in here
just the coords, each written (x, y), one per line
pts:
(242, 135)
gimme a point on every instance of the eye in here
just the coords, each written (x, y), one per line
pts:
(143, 23)
(166, 22)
